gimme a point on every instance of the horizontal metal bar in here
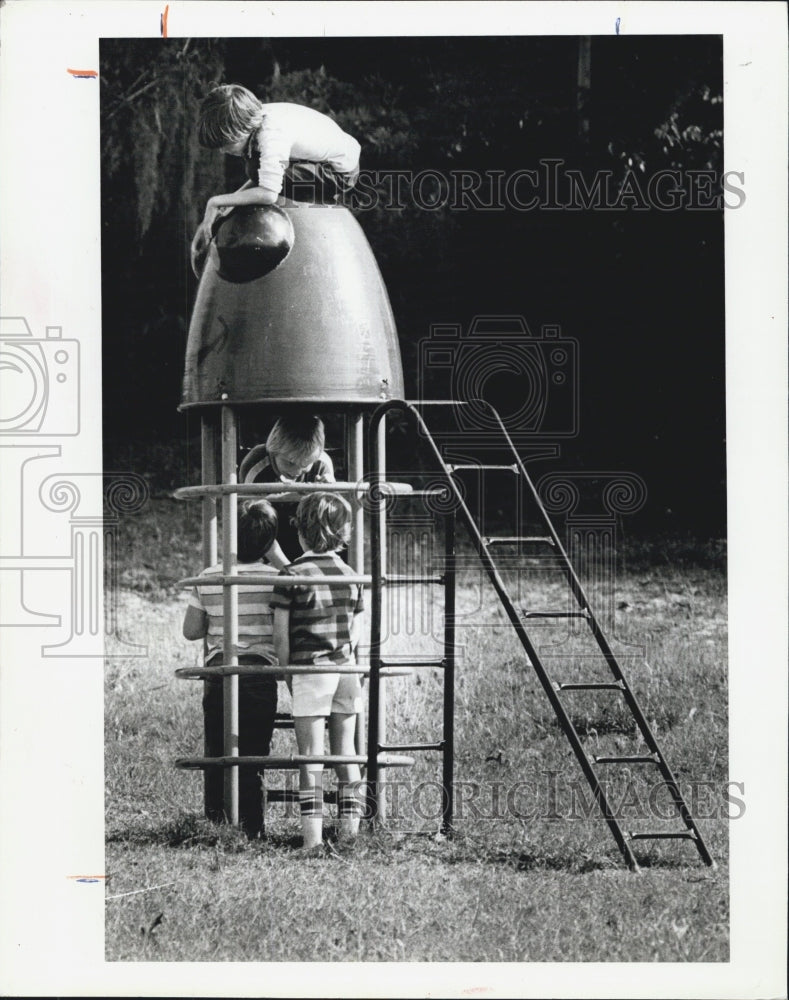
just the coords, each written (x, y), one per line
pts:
(682, 835)
(268, 670)
(514, 539)
(439, 664)
(439, 492)
(386, 487)
(555, 614)
(287, 763)
(400, 579)
(609, 686)
(637, 759)
(281, 580)
(408, 747)
(503, 468)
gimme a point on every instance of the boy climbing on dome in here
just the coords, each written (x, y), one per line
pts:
(289, 149)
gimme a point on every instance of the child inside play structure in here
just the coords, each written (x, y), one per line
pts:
(321, 625)
(293, 453)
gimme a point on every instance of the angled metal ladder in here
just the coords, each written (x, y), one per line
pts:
(518, 619)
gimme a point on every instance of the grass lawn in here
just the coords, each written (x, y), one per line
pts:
(532, 873)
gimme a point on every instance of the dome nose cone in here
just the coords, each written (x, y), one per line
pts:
(313, 326)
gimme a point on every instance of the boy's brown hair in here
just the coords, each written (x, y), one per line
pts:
(257, 530)
(228, 114)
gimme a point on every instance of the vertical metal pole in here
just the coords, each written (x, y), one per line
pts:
(449, 674)
(210, 550)
(380, 514)
(354, 449)
(373, 716)
(230, 611)
(208, 474)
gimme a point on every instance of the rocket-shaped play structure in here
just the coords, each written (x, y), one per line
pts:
(291, 314)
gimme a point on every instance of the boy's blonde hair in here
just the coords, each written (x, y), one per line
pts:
(298, 438)
(228, 114)
(324, 521)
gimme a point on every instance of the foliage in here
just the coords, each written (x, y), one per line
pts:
(690, 137)
(149, 134)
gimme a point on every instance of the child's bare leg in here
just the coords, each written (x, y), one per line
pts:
(342, 731)
(309, 737)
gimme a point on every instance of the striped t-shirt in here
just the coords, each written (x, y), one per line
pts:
(320, 616)
(255, 618)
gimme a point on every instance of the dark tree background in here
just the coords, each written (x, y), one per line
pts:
(641, 290)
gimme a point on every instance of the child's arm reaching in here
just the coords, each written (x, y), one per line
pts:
(276, 557)
(282, 637)
(204, 234)
(246, 195)
(356, 633)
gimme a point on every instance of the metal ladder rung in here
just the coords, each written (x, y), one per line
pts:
(507, 468)
(609, 686)
(514, 539)
(398, 578)
(635, 759)
(408, 747)
(439, 664)
(681, 835)
(555, 614)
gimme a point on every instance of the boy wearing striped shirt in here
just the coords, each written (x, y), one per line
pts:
(257, 694)
(321, 625)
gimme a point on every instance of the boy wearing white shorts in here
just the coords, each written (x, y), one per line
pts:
(321, 625)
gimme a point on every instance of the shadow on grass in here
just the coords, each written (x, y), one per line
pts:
(184, 831)
(388, 847)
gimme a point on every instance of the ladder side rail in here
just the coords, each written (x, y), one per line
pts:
(495, 578)
(572, 577)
